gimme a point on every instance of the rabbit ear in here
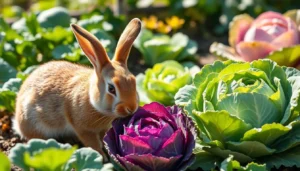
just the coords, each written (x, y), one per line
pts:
(126, 40)
(91, 46)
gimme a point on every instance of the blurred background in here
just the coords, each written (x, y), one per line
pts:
(205, 21)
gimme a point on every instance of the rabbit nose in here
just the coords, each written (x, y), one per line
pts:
(130, 110)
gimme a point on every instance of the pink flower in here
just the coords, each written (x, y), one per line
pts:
(255, 39)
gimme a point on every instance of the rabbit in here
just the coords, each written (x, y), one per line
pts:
(64, 99)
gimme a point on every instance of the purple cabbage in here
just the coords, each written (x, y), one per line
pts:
(154, 138)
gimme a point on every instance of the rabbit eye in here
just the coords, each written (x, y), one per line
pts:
(111, 89)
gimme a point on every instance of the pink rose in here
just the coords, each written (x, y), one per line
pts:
(255, 39)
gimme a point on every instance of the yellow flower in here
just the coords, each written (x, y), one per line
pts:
(163, 28)
(151, 22)
(174, 22)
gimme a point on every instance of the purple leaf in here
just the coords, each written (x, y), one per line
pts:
(133, 145)
(150, 162)
(173, 146)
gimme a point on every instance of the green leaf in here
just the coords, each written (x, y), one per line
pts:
(163, 81)
(144, 99)
(230, 165)
(57, 16)
(252, 149)
(5, 164)
(290, 139)
(13, 84)
(6, 72)
(253, 108)
(224, 153)
(158, 47)
(86, 159)
(7, 100)
(288, 56)
(34, 146)
(59, 52)
(267, 134)
(295, 97)
(233, 68)
(93, 22)
(106, 40)
(32, 23)
(185, 95)
(220, 125)
(48, 159)
(289, 158)
(3, 25)
(216, 67)
(58, 35)
(205, 161)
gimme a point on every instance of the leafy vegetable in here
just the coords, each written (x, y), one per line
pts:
(154, 138)
(251, 39)
(247, 110)
(57, 16)
(87, 159)
(161, 82)
(158, 48)
(50, 155)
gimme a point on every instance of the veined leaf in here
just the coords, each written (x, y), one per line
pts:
(252, 149)
(267, 134)
(222, 126)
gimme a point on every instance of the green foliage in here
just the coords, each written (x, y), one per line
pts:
(51, 155)
(247, 110)
(158, 48)
(57, 16)
(5, 164)
(87, 159)
(161, 82)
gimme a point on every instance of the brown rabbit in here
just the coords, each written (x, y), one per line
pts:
(61, 99)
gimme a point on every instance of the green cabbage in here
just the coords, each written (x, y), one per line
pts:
(157, 48)
(161, 82)
(247, 110)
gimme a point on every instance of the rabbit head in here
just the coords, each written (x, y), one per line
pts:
(112, 86)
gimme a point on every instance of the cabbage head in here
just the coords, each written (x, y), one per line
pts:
(248, 111)
(161, 82)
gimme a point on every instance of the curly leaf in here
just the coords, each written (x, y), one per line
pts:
(289, 140)
(220, 125)
(87, 159)
(34, 146)
(253, 108)
(230, 165)
(48, 159)
(267, 134)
